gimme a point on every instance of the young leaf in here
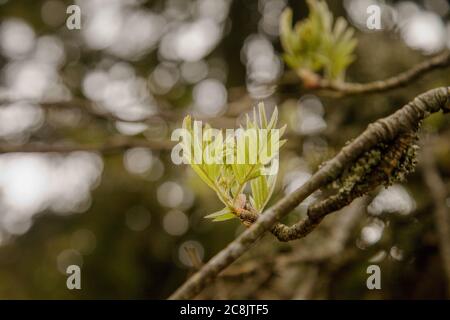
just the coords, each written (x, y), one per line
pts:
(217, 214)
(222, 215)
(225, 217)
(259, 191)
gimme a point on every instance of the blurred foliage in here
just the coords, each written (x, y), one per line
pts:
(316, 43)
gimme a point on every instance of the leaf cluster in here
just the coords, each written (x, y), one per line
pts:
(318, 44)
(229, 179)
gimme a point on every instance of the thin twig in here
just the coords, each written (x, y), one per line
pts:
(88, 107)
(385, 129)
(400, 80)
(397, 81)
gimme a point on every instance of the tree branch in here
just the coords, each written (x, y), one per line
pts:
(88, 107)
(400, 80)
(386, 129)
(438, 193)
(109, 146)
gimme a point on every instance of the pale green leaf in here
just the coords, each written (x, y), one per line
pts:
(259, 191)
(225, 217)
(222, 212)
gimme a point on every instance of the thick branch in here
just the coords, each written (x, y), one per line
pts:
(385, 129)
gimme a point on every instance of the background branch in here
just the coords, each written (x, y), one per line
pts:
(400, 80)
(438, 193)
(109, 146)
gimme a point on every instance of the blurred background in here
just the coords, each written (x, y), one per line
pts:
(86, 176)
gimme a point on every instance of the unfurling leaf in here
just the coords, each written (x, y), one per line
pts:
(252, 150)
(222, 215)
